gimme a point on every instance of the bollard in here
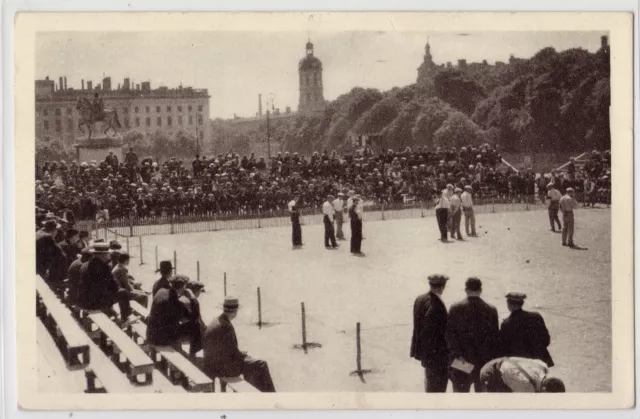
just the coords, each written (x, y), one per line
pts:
(175, 263)
(198, 271)
(304, 326)
(156, 257)
(382, 207)
(493, 205)
(259, 309)
(421, 209)
(140, 242)
(225, 284)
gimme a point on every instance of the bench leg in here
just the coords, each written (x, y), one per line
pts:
(223, 386)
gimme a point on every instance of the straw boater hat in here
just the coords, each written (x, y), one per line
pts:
(99, 248)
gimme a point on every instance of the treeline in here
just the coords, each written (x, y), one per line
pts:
(552, 102)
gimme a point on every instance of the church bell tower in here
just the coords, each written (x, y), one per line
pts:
(311, 91)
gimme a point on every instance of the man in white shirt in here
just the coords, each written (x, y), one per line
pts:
(456, 213)
(442, 214)
(554, 196)
(450, 218)
(327, 219)
(518, 375)
(567, 204)
(467, 208)
(338, 206)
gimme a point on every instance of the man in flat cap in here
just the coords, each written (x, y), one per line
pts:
(524, 333)
(428, 344)
(327, 219)
(518, 375)
(222, 358)
(472, 337)
(567, 204)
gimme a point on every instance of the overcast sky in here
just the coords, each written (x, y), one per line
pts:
(236, 66)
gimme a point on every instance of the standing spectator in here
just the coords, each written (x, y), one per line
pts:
(166, 270)
(524, 333)
(69, 246)
(73, 275)
(222, 358)
(327, 219)
(567, 204)
(442, 214)
(467, 208)
(47, 252)
(355, 215)
(296, 229)
(554, 205)
(428, 343)
(338, 206)
(111, 160)
(456, 214)
(472, 336)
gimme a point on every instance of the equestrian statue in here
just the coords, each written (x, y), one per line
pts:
(91, 112)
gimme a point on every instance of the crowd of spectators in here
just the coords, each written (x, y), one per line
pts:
(232, 184)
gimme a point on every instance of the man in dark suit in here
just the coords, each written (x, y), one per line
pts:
(73, 275)
(428, 344)
(524, 333)
(166, 270)
(472, 336)
(69, 246)
(222, 358)
(47, 251)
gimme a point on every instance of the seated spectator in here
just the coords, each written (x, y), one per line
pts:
(69, 245)
(114, 252)
(47, 252)
(166, 270)
(99, 290)
(126, 281)
(170, 322)
(222, 358)
(74, 277)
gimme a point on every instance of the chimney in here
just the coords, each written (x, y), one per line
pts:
(126, 84)
(259, 104)
(60, 84)
(604, 41)
(65, 82)
(106, 83)
(89, 85)
(82, 83)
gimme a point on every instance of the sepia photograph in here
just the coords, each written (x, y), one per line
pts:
(319, 208)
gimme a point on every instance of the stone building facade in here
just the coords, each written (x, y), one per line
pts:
(311, 90)
(139, 108)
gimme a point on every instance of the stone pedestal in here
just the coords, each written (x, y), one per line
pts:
(97, 148)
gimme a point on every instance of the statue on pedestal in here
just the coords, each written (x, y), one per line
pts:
(92, 112)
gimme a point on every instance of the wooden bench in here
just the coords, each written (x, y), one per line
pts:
(139, 309)
(174, 365)
(236, 384)
(67, 334)
(117, 344)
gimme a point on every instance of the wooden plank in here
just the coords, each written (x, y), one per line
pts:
(194, 379)
(138, 362)
(139, 309)
(237, 385)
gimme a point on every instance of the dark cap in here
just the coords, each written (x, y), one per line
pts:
(516, 297)
(231, 304)
(473, 284)
(114, 245)
(179, 279)
(165, 267)
(438, 280)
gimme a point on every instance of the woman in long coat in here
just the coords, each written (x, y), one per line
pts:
(355, 214)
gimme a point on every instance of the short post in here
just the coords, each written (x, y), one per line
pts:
(130, 226)
(198, 271)
(421, 209)
(225, 284)
(493, 205)
(156, 257)
(259, 309)
(175, 263)
(382, 207)
(358, 348)
(304, 326)
(259, 218)
(140, 243)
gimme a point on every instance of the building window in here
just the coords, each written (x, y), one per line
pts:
(70, 124)
(137, 122)
(190, 119)
(147, 109)
(179, 108)
(169, 121)
(159, 121)
(189, 108)
(58, 125)
(168, 108)
(125, 110)
(157, 108)
(57, 111)
(199, 119)
(199, 108)
(126, 122)
(179, 120)
(46, 125)
(148, 121)
(136, 109)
